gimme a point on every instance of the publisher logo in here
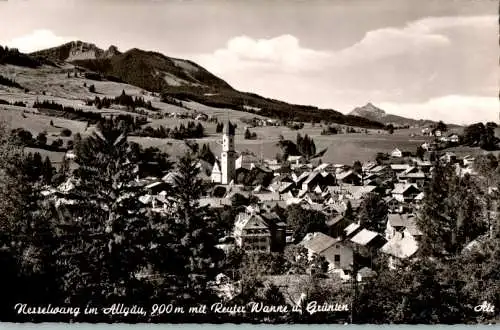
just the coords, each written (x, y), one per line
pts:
(485, 307)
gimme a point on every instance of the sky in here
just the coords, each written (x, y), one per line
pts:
(426, 59)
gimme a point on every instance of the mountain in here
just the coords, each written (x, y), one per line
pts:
(76, 50)
(185, 80)
(371, 112)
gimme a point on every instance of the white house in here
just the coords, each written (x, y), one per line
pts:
(405, 192)
(338, 255)
(396, 153)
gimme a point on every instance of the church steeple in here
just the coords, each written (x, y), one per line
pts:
(228, 155)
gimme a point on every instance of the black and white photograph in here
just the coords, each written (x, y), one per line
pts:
(249, 162)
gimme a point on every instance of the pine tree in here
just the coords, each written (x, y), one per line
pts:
(189, 258)
(113, 230)
(373, 213)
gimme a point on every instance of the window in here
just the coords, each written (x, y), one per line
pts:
(337, 258)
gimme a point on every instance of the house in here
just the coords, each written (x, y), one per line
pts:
(468, 161)
(400, 168)
(449, 157)
(349, 177)
(399, 247)
(70, 155)
(393, 205)
(337, 254)
(417, 178)
(402, 224)
(252, 233)
(364, 274)
(336, 225)
(378, 169)
(259, 232)
(453, 138)
(246, 161)
(352, 230)
(297, 160)
(368, 166)
(315, 179)
(396, 153)
(405, 192)
(422, 165)
(369, 239)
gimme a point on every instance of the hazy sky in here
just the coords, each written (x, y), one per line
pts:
(435, 59)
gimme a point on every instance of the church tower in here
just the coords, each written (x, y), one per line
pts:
(228, 155)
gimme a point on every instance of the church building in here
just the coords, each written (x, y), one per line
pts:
(227, 170)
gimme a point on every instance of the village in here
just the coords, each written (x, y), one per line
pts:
(335, 190)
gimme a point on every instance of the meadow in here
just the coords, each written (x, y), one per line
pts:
(73, 91)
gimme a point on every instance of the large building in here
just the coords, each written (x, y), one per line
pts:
(227, 170)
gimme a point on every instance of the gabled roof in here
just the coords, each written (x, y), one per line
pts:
(378, 168)
(400, 167)
(368, 166)
(400, 247)
(294, 158)
(364, 237)
(318, 242)
(349, 230)
(343, 175)
(420, 196)
(250, 221)
(333, 221)
(311, 177)
(402, 188)
(397, 220)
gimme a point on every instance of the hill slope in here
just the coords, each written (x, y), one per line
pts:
(371, 112)
(185, 80)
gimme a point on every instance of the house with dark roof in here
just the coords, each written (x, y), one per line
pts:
(403, 224)
(349, 177)
(256, 231)
(405, 192)
(336, 225)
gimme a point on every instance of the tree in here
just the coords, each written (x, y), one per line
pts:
(92, 88)
(390, 128)
(357, 167)
(416, 293)
(381, 157)
(248, 135)
(41, 139)
(66, 132)
(349, 212)
(420, 153)
(26, 234)
(441, 126)
(189, 258)
(452, 212)
(373, 213)
(303, 221)
(103, 253)
(48, 171)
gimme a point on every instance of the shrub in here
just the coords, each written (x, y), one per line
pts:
(66, 132)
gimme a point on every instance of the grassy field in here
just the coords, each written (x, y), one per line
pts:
(342, 148)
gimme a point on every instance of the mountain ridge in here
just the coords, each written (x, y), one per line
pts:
(372, 112)
(185, 80)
